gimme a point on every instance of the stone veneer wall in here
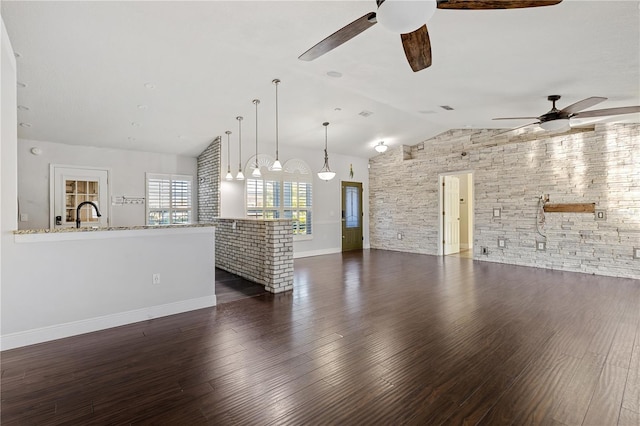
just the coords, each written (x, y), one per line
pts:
(258, 250)
(209, 182)
(511, 171)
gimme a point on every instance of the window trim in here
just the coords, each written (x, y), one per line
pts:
(293, 167)
(170, 177)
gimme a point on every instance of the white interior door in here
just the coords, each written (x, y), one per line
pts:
(451, 215)
(72, 186)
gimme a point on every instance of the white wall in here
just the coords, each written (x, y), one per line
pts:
(8, 158)
(327, 229)
(62, 284)
(128, 170)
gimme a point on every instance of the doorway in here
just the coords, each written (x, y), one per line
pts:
(69, 187)
(352, 216)
(456, 214)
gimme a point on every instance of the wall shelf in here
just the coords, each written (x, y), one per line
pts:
(570, 208)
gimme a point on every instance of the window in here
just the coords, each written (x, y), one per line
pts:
(168, 199)
(285, 194)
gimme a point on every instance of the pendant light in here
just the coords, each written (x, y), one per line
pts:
(229, 176)
(326, 173)
(240, 175)
(256, 171)
(276, 167)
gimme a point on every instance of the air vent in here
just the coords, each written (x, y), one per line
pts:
(365, 113)
(446, 107)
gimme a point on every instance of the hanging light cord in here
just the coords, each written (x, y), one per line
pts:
(276, 82)
(256, 102)
(326, 156)
(228, 132)
(239, 143)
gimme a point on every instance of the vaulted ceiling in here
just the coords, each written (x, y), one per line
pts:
(171, 76)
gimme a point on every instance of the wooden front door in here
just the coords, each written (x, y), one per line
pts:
(351, 216)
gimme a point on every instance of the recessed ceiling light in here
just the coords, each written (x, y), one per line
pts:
(135, 124)
(142, 106)
(334, 74)
(23, 108)
(150, 85)
(21, 84)
(25, 124)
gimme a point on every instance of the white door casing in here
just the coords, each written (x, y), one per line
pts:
(451, 214)
(63, 204)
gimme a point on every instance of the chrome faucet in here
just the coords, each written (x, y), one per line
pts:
(78, 211)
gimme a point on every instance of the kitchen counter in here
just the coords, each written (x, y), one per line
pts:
(85, 233)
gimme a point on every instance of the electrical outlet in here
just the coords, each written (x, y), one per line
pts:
(155, 278)
(601, 215)
(502, 243)
(399, 235)
(636, 253)
(24, 217)
(541, 246)
(497, 212)
(484, 250)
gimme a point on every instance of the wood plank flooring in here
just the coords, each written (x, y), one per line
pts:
(366, 338)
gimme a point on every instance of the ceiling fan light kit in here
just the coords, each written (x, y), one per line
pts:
(403, 17)
(558, 125)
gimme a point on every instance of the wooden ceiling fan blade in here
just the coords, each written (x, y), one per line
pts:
(583, 104)
(516, 128)
(417, 48)
(607, 111)
(341, 36)
(493, 4)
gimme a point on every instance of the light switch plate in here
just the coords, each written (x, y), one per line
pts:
(636, 252)
(502, 243)
(601, 215)
(541, 246)
(497, 212)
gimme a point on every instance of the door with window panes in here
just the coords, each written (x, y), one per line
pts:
(72, 186)
(351, 216)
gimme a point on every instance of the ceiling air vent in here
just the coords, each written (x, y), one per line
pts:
(446, 107)
(365, 113)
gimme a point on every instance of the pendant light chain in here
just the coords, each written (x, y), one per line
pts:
(277, 166)
(256, 172)
(240, 175)
(229, 175)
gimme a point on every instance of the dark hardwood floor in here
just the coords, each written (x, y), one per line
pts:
(371, 337)
(230, 287)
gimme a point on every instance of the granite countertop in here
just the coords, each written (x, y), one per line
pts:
(109, 228)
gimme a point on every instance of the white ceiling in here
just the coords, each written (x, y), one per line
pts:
(85, 66)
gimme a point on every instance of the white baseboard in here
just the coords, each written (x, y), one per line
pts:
(59, 331)
(316, 252)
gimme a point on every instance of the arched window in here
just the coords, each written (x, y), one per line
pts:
(286, 194)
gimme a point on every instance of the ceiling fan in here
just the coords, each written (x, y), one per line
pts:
(558, 119)
(408, 18)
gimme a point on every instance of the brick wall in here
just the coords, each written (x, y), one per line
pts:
(258, 250)
(209, 182)
(511, 171)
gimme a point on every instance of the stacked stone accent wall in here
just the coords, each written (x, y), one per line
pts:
(209, 182)
(258, 250)
(510, 171)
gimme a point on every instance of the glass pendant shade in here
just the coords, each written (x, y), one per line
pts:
(381, 147)
(276, 166)
(240, 175)
(326, 173)
(403, 17)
